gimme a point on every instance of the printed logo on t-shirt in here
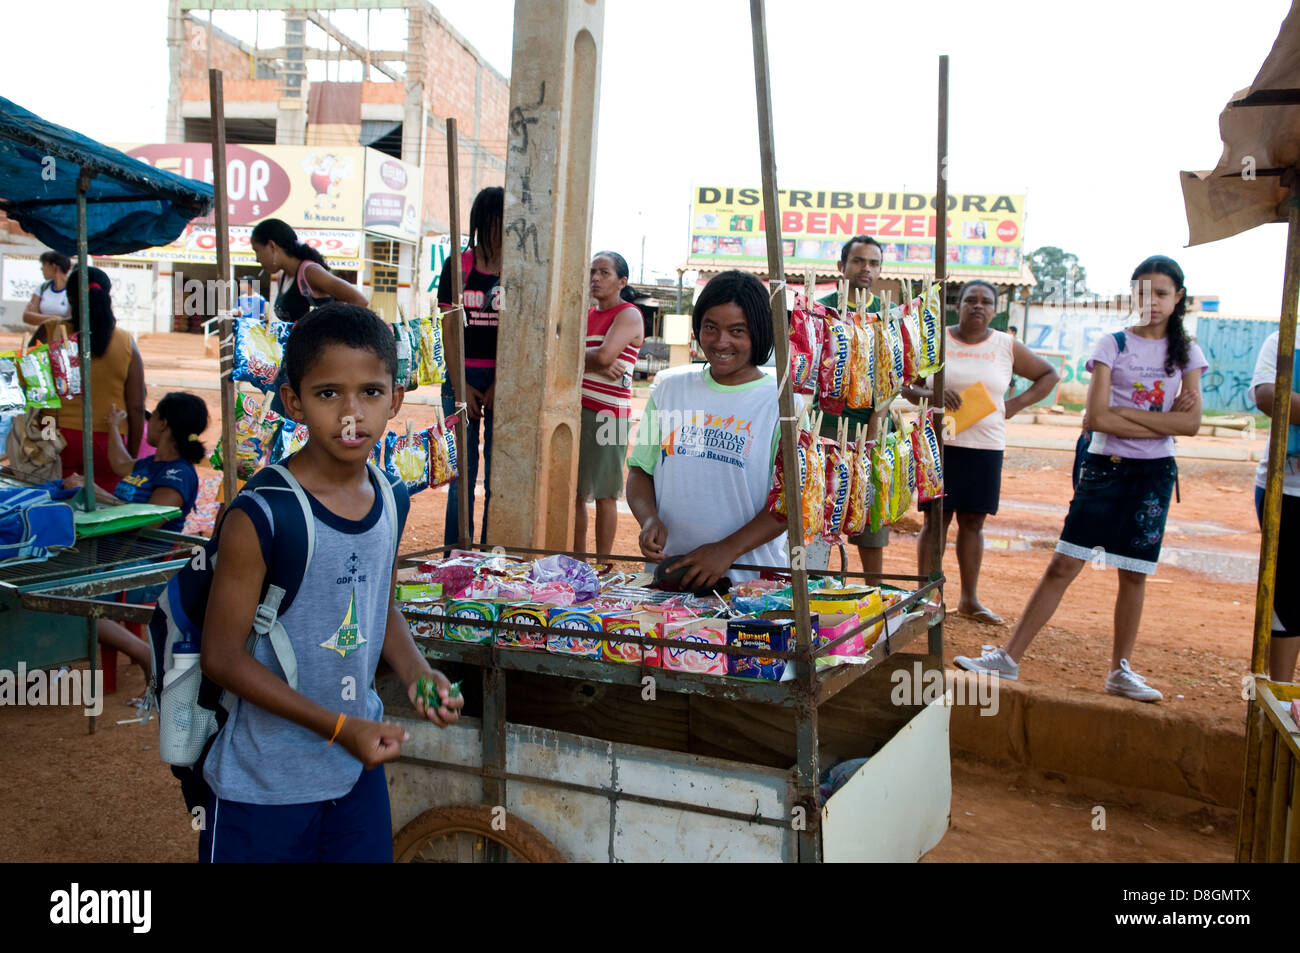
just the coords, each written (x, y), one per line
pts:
(727, 440)
(1153, 395)
(347, 637)
(351, 565)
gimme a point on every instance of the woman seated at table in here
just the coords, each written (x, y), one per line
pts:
(702, 464)
(165, 478)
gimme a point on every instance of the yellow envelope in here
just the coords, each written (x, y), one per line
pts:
(976, 404)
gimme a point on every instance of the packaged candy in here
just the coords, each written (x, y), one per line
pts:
(839, 475)
(432, 366)
(882, 478)
(427, 695)
(863, 601)
(424, 628)
(408, 458)
(862, 366)
(777, 635)
(442, 453)
(38, 379)
(929, 459)
(472, 610)
(418, 592)
(530, 614)
(554, 594)
(833, 373)
(576, 620)
(931, 321)
(258, 352)
(835, 624)
(255, 426)
(631, 624)
(65, 363)
(496, 587)
(291, 438)
(857, 511)
(12, 398)
(704, 631)
(566, 569)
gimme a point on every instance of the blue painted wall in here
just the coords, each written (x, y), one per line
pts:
(1230, 346)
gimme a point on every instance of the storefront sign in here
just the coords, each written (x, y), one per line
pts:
(198, 244)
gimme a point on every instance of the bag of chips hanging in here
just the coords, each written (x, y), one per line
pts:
(862, 361)
(929, 460)
(900, 490)
(291, 438)
(882, 479)
(413, 335)
(403, 355)
(812, 485)
(255, 426)
(442, 453)
(802, 378)
(38, 379)
(911, 329)
(931, 321)
(858, 510)
(833, 373)
(408, 458)
(432, 362)
(65, 363)
(839, 481)
(258, 352)
(12, 398)
(897, 351)
(885, 386)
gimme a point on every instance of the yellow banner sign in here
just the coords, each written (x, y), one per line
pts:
(984, 230)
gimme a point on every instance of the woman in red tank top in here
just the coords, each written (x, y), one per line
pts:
(615, 332)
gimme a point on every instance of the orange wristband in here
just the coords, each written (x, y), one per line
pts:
(338, 726)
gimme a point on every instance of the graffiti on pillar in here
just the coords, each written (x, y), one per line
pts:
(521, 117)
(1230, 348)
(523, 230)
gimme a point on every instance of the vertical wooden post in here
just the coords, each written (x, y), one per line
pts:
(457, 327)
(554, 99)
(806, 734)
(221, 212)
(83, 347)
(940, 275)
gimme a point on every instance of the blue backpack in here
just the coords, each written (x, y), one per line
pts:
(33, 526)
(193, 708)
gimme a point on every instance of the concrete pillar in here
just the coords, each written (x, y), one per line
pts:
(554, 95)
(413, 102)
(175, 131)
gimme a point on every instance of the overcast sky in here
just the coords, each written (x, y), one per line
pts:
(1089, 109)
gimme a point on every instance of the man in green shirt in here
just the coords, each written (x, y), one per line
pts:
(860, 262)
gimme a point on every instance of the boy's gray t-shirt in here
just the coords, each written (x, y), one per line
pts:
(336, 624)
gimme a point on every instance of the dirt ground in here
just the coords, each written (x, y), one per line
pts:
(69, 796)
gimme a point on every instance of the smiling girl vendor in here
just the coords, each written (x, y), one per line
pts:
(702, 463)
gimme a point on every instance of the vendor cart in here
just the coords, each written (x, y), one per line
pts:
(562, 757)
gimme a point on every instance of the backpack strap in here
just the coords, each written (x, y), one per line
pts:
(390, 503)
(1119, 340)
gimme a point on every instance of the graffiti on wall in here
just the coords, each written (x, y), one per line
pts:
(1230, 347)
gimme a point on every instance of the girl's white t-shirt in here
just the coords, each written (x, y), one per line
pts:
(710, 449)
(989, 361)
(54, 302)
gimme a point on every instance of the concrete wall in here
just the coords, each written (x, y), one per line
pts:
(1231, 346)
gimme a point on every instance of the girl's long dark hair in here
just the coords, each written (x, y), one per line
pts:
(486, 216)
(102, 320)
(187, 416)
(1178, 344)
(282, 233)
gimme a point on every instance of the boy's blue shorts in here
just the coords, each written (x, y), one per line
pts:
(356, 828)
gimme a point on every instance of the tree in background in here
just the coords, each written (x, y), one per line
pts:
(1058, 275)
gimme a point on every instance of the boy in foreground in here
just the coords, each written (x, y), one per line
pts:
(292, 772)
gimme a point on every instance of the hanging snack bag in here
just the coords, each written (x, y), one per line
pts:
(255, 427)
(12, 399)
(258, 353)
(931, 321)
(802, 378)
(291, 438)
(885, 384)
(839, 477)
(882, 478)
(812, 485)
(413, 335)
(862, 370)
(442, 453)
(897, 351)
(911, 328)
(833, 372)
(65, 363)
(432, 364)
(858, 510)
(408, 458)
(900, 492)
(929, 460)
(403, 355)
(38, 379)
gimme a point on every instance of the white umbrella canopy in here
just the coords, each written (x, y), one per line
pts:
(1260, 128)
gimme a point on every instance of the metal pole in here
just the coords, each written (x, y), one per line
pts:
(940, 540)
(230, 456)
(457, 371)
(805, 671)
(83, 348)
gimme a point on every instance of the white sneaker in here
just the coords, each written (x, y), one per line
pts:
(1124, 681)
(994, 661)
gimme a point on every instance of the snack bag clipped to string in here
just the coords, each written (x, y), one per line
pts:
(900, 490)
(811, 488)
(929, 460)
(897, 351)
(442, 452)
(12, 398)
(882, 479)
(408, 458)
(885, 385)
(833, 372)
(862, 359)
(839, 478)
(258, 353)
(291, 438)
(255, 426)
(38, 379)
(910, 325)
(65, 364)
(930, 318)
(403, 355)
(432, 366)
(803, 379)
(858, 511)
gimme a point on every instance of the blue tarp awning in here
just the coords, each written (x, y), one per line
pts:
(129, 205)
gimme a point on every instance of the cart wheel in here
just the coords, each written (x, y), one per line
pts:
(460, 834)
